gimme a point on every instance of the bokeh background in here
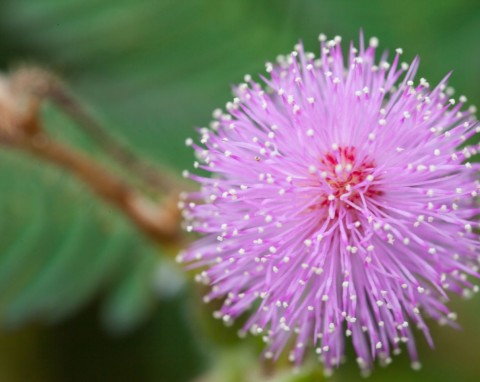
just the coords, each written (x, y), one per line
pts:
(83, 295)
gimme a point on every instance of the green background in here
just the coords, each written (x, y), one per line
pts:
(83, 301)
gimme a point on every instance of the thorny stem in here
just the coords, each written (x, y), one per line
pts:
(21, 129)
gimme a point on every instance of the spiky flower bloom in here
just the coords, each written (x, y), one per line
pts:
(342, 203)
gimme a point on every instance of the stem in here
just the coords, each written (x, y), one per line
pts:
(21, 128)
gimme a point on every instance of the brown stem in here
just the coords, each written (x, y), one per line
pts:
(20, 127)
(161, 223)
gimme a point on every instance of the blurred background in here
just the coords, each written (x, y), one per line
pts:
(84, 296)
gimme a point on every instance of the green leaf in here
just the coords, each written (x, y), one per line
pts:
(130, 301)
(60, 247)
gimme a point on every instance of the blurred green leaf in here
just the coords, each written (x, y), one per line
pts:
(62, 247)
(134, 296)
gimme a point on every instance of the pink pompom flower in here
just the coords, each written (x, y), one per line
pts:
(342, 202)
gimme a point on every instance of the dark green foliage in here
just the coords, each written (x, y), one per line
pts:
(61, 247)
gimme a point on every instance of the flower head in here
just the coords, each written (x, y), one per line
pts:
(342, 203)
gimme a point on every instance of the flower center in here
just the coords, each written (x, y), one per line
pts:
(344, 170)
(347, 176)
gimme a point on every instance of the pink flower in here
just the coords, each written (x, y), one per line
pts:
(342, 203)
